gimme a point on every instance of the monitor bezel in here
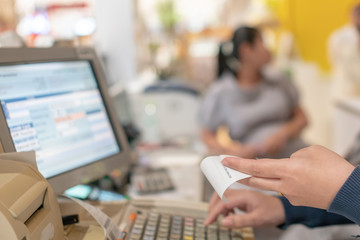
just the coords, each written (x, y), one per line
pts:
(119, 162)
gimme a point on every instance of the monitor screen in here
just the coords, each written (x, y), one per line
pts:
(57, 109)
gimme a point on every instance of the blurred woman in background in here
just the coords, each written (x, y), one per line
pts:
(260, 110)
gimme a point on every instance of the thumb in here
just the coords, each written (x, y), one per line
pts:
(239, 221)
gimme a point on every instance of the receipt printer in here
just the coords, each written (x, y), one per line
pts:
(28, 206)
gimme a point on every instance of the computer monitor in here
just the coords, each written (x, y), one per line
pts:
(55, 101)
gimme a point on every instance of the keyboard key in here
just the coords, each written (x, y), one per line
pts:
(212, 238)
(135, 236)
(224, 237)
(163, 234)
(136, 231)
(175, 236)
(148, 238)
(149, 233)
(150, 228)
(188, 233)
(212, 226)
(176, 232)
(188, 238)
(163, 228)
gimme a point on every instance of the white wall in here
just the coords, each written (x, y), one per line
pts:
(316, 100)
(115, 38)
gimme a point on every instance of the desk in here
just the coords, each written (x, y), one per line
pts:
(186, 188)
(181, 163)
(183, 166)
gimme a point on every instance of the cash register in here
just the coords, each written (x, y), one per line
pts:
(28, 205)
(55, 102)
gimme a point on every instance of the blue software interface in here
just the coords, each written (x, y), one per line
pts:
(57, 110)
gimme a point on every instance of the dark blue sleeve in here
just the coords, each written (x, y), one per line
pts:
(347, 200)
(311, 217)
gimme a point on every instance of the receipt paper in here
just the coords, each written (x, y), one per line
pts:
(219, 176)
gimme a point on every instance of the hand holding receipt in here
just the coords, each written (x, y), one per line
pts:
(258, 208)
(220, 176)
(311, 176)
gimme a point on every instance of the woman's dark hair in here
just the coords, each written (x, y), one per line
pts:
(229, 51)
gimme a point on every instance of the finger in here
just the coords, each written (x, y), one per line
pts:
(239, 221)
(241, 200)
(214, 200)
(216, 206)
(267, 168)
(213, 215)
(270, 184)
(215, 212)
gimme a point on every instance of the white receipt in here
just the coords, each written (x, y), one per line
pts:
(110, 229)
(219, 176)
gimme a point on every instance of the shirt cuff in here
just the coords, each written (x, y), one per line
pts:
(308, 216)
(347, 200)
(291, 215)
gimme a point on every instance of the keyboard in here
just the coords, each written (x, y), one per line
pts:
(150, 181)
(155, 225)
(143, 219)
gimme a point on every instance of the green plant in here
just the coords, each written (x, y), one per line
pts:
(167, 15)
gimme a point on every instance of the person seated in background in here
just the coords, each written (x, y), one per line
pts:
(260, 110)
(320, 188)
(344, 56)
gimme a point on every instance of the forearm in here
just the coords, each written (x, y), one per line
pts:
(310, 217)
(294, 126)
(231, 148)
(347, 200)
(210, 139)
